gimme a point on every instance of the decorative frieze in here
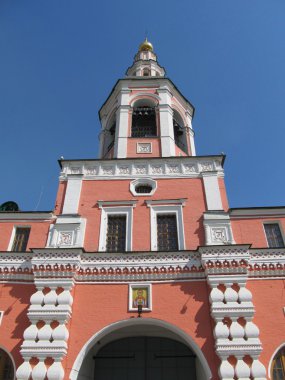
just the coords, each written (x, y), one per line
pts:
(140, 266)
(141, 169)
(173, 167)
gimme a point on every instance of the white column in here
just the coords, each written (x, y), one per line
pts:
(122, 132)
(191, 134)
(122, 124)
(102, 137)
(101, 143)
(212, 191)
(72, 194)
(166, 123)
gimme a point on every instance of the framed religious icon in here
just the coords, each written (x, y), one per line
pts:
(140, 295)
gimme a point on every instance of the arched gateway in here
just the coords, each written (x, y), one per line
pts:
(143, 350)
(7, 368)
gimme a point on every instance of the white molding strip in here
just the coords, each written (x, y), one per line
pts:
(23, 216)
(131, 203)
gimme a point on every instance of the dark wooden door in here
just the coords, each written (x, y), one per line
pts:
(145, 358)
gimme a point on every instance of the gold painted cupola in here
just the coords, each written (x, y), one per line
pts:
(145, 114)
(145, 62)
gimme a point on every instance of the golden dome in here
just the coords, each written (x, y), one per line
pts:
(146, 45)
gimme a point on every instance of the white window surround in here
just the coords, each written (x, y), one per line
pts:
(166, 209)
(11, 242)
(1, 316)
(149, 290)
(280, 227)
(119, 210)
(143, 181)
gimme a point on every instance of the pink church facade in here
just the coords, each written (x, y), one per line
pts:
(143, 270)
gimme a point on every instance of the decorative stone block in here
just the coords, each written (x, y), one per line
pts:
(144, 148)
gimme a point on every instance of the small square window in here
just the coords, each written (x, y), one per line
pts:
(273, 235)
(21, 238)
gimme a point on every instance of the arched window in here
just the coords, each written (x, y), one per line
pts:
(278, 365)
(144, 119)
(109, 135)
(6, 366)
(179, 132)
(146, 72)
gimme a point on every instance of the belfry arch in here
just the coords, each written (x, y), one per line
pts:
(83, 367)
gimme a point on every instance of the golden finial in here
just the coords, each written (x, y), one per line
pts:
(146, 45)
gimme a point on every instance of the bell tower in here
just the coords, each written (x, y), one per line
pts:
(145, 114)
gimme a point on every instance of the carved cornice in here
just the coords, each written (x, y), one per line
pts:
(73, 263)
(230, 259)
(175, 167)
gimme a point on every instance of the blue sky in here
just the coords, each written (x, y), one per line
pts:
(60, 59)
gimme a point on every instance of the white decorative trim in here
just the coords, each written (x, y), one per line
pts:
(73, 191)
(149, 292)
(166, 209)
(248, 213)
(144, 147)
(143, 181)
(119, 210)
(211, 187)
(1, 316)
(152, 202)
(102, 204)
(226, 263)
(172, 167)
(67, 232)
(232, 302)
(23, 216)
(218, 229)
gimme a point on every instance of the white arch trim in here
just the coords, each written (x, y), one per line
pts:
(180, 113)
(140, 95)
(11, 357)
(131, 322)
(272, 357)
